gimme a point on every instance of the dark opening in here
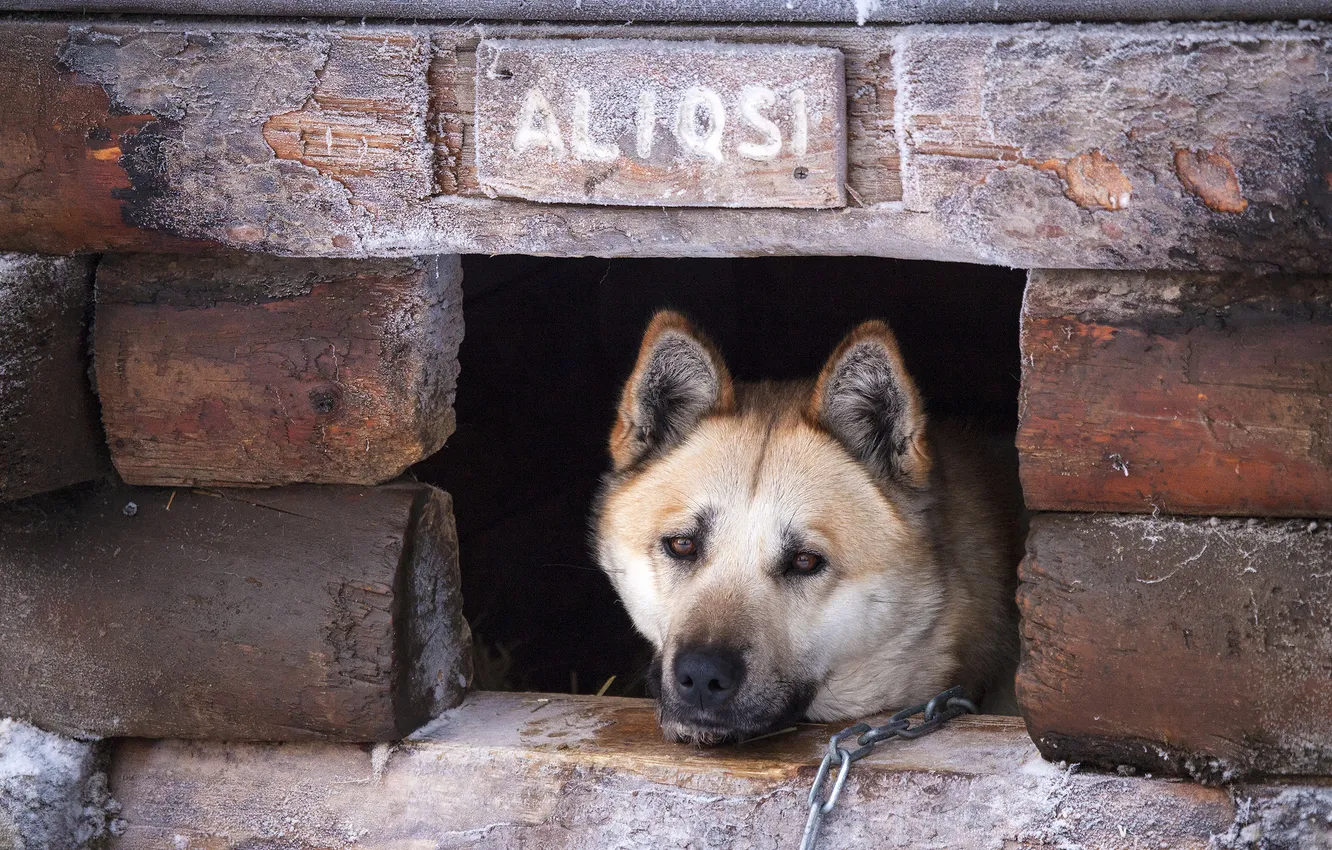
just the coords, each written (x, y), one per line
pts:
(548, 345)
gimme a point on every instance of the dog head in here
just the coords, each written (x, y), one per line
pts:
(770, 540)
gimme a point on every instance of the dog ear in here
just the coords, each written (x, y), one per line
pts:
(865, 398)
(678, 379)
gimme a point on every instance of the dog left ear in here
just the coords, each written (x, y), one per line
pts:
(865, 398)
(679, 378)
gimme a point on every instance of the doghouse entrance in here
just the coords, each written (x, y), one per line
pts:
(548, 345)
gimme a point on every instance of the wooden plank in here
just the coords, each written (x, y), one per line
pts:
(980, 144)
(1193, 647)
(518, 770)
(301, 613)
(251, 370)
(1195, 394)
(49, 435)
(661, 123)
(739, 11)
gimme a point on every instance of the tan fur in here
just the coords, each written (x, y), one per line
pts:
(917, 594)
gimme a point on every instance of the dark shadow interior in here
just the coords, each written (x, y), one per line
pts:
(548, 344)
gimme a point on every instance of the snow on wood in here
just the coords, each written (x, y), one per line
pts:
(49, 436)
(1148, 146)
(1182, 393)
(297, 613)
(523, 770)
(53, 791)
(1190, 646)
(248, 370)
(624, 121)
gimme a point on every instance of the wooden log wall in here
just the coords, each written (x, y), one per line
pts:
(1161, 637)
(249, 370)
(295, 614)
(49, 434)
(523, 770)
(1183, 146)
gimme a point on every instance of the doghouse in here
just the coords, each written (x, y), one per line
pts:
(244, 246)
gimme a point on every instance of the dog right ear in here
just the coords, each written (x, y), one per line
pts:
(679, 378)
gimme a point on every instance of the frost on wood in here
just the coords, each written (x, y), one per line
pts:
(518, 770)
(1187, 646)
(53, 791)
(49, 434)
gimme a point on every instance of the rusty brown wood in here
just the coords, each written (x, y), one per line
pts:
(300, 613)
(1195, 647)
(661, 123)
(49, 434)
(1057, 146)
(526, 770)
(250, 370)
(1182, 393)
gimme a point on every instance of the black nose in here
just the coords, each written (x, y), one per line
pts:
(707, 678)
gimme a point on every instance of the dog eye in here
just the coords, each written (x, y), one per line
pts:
(681, 547)
(806, 563)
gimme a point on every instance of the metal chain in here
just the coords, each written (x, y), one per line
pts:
(937, 711)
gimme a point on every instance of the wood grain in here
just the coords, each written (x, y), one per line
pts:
(49, 434)
(1177, 393)
(527, 770)
(1192, 647)
(296, 614)
(250, 370)
(662, 123)
(1182, 146)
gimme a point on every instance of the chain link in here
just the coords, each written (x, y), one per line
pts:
(937, 712)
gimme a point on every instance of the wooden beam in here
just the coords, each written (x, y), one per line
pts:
(300, 613)
(249, 370)
(1193, 647)
(1182, 393)
(521, 770)
(49, 435)
(1031, 147)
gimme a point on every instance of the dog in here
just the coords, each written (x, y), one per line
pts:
(816, 550)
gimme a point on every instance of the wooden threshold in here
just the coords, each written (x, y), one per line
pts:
(550, 771)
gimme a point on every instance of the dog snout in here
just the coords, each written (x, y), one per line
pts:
(707, 677)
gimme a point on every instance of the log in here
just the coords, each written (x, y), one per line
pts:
(296, 614)
(251, 370)
(1182, 393)
(1022, 146)
(49, 435)
(522, 770)
(1191, 647)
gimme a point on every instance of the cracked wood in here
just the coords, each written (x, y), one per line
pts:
(302, 613)
(1186, 646)
(249, 370)
(1177, 393)
(1183, 146)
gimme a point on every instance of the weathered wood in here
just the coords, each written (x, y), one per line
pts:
(1196, 394)
(509, 770)
(243, 369)
(1149, 146)
(740, 11)
(1196, 647)
(300, 613)
(49, 435)
(662, 123)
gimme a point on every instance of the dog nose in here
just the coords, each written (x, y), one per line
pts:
(707, 678)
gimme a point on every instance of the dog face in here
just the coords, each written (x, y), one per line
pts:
(769, 540)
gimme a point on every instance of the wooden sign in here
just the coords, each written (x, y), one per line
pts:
(659, 123)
